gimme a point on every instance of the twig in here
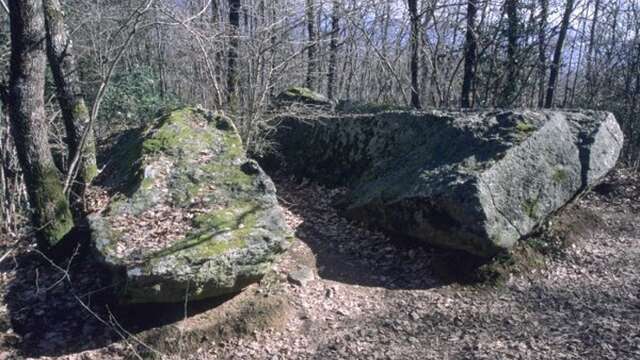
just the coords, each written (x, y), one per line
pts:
(26, 236)
(207, 61)
(383, 58)
(65, 272)
(6, 255)
(73, 167)
(113, 323)
(114, 320)
(4, 7)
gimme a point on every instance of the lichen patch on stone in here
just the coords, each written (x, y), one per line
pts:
(195, 215)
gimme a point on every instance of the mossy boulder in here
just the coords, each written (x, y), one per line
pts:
(475, 181)
(303, 96)
(192, 217)
(359, 107)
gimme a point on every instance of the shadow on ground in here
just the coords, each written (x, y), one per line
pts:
(352, 254)
(69, 306)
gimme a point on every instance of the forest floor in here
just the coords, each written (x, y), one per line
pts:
(367, 296)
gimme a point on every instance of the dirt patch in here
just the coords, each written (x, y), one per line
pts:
(251, 311)
(572, 225)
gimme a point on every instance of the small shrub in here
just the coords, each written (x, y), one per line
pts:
(132, 100)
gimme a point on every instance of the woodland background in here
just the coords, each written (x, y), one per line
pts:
(236, 55)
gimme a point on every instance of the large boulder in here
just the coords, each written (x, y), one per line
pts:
(475, 181)
(192, 217)
(302, 96)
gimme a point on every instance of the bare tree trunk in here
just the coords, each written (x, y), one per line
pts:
(511, 85)
(591, 76)
(312, 47)
(542, 53)
(11, 189)
(613, 41)
(425, 85)
(51, 214)
(635, 65)
(72, 105)
(415, 51)
(567, 84)
(470, 56)
(384, 82)
(557, 55)
(234, 43)
(578, 65)
(215, 13)
(333, 48)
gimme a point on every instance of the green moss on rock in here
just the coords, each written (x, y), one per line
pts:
(194, 162)
(525, 128)
(355, 107)
(530, 207)
(560, 176)
(170, 133)
(224, 174)
(302, 95)
(302, 91)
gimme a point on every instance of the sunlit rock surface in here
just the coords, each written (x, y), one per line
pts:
(475, 181)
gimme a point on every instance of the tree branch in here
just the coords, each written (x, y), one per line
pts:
(104, 85)
(4, 6)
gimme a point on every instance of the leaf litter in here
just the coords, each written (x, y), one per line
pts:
(377, 297)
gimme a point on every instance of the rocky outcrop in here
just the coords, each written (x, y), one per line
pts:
(192, 217)
(302, 96)
(475, 181)
(352, 107)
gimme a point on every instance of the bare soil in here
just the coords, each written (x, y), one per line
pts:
(372, 296)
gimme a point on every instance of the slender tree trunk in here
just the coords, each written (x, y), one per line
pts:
(615, 12)
(591, 76)
(218, 51)
(72, 105)
(511, 85)
(234, 44)
(50, 208)
(312, 47)
(567, 84)
(161, 61)
(470, 56)
(215, 14)
(577, 70)
(384, 82)
(415, 52)
(557, 55)
(635, 68)
(425, 85)
(456, 20)
(333, 49)
(542, 50)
